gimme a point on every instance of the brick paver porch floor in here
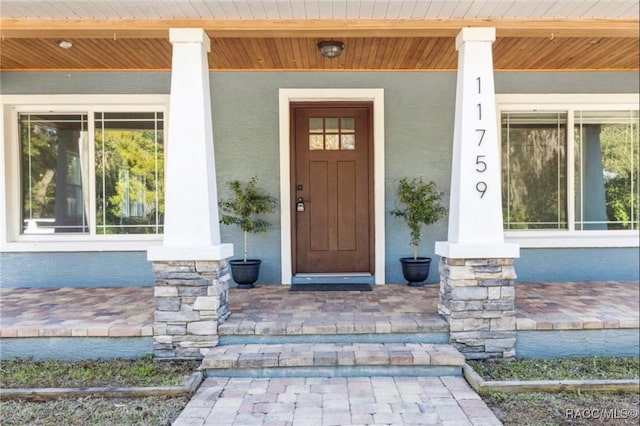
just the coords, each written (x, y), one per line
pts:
(117, 312)
(126, 312)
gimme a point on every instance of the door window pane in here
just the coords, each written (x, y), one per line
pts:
(55, 173)
(316, 142)
(129, 157)
(606, 170)
(331, 142)
(534, 170)
(331, 125)
(347, 142)
(315, 125)
(347, 125)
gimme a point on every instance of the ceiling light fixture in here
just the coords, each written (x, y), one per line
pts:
(64, 44)
(331, 48)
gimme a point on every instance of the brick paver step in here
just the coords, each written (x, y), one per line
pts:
(338, 324)
(262, 356)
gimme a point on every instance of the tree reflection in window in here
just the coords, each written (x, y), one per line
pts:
(534, 171)
(129, 173)
(55, 173)
(606, 170)
(605, 179)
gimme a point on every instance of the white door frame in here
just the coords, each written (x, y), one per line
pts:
(286, 97)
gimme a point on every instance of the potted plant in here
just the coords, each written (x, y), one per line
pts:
(243, 210)
(422, 205)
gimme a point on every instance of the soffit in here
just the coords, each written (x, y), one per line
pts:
(282, 35)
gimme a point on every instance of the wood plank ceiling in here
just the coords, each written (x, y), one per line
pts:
(411, 35)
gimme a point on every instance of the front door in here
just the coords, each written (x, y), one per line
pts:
(332, 189)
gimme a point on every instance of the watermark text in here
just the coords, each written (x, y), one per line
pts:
(601, 414)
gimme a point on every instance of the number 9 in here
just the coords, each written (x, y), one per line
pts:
(481, 187)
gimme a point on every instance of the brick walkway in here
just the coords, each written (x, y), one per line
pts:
(336, 401)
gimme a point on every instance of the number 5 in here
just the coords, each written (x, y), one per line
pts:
(479, 163)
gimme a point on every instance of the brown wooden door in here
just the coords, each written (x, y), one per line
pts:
(332, 158)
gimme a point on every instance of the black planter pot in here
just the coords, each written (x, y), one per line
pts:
(415, 271)
(245, 273)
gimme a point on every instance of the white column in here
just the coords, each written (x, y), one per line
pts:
(475, 211)
(191, 226)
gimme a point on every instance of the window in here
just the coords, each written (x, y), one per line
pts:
(332, 133)
(570, 167)
(129, 173)
(534, 172)
(82, 172)
(54, 163)
(57, 170)
(606, 169)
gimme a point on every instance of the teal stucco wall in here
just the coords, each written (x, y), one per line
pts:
(79, 269)
(419, 114)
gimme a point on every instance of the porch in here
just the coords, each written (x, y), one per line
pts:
(553, 319)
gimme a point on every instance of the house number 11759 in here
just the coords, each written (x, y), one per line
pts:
(481, 165)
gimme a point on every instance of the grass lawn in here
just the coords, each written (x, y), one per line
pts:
(568, 408)
(26, 373)
(531, 409)
(21, 373)
(549, 409)
(559, 369)
(93, 411)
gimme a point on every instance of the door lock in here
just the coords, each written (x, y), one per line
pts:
(300, 205)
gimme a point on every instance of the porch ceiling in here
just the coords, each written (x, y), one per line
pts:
(282, 35)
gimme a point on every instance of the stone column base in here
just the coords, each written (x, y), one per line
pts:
(191, 299)
(477, 298)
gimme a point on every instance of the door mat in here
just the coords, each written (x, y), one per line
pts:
(331, 287)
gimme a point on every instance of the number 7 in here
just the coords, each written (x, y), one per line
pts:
(482, 132)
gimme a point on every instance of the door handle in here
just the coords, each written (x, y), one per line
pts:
(300, 204)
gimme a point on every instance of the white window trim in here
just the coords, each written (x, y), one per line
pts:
(568, 102)
(10, 238)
